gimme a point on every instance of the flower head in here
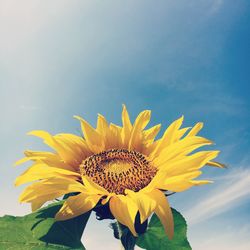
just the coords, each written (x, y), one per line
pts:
(124, 167)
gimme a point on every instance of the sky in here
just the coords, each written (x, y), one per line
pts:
(63, 58)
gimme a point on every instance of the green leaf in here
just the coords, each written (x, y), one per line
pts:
(156, 238)
(40, 231)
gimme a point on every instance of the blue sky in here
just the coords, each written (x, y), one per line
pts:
(62, 58)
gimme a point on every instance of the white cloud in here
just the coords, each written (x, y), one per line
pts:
(225, 197)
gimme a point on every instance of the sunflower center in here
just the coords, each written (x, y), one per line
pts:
(119, 169)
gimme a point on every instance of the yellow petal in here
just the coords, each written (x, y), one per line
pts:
(145, 203)
(40, 200)
(48, 158)
(111, 134)
(107, 198)
(163, 211)
(216, 164)
(75, 146)
(93, 138)
(158, 178)
(180, 133)
(200, 182)
(135, 142)
(57, 144)
(102, 125)
(41, 171)
(127, 127)
(194, 131)
(36, 204)
(52, 142)
(180, 149)
(21, 161)
(51, 188)
(168, 137)
(178, 183)
(103, 129)
(147, 150)
(189, 163)
(150, 134)
(77, 205)
(124, 209)
(48, 138)
(93, 187)
(115, 136)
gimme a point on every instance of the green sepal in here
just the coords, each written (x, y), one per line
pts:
(115, 228)
(128, 240)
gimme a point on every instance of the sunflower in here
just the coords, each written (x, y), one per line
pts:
(122, 167)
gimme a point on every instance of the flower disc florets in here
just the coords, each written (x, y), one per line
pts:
(119, 169)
